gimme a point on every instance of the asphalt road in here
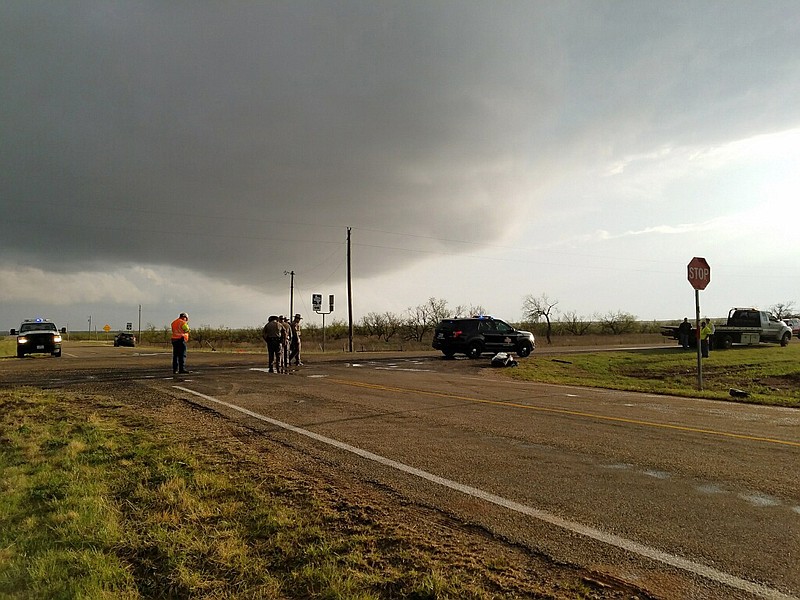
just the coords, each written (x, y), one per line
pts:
(684, 498)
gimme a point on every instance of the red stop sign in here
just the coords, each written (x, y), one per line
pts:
(699, 273)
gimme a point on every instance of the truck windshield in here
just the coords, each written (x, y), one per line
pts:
(37, 327)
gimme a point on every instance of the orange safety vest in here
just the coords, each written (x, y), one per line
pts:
(180, 330)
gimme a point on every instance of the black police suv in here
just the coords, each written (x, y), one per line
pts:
(474, 336)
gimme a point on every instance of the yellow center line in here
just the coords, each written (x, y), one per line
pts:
(564, 411)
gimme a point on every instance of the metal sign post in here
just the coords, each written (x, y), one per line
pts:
(316, 302)
(699, 275)
(697, 340)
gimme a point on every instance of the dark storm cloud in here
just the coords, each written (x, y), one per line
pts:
(232, 137)
(215, 136)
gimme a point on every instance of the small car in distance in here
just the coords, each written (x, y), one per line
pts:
(125, 338)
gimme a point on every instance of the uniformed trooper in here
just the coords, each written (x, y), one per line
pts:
(294, 355)
(286, 335)
(272, 336)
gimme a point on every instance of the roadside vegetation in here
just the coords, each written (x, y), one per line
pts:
(767, 374)
(411, 330)
(8, 347)
(97, 501)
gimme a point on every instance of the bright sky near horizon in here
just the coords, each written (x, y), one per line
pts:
(184, 156)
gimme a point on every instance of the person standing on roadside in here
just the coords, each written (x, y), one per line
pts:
(705, 333)
(684, 331)
(713, 329)
(295, 347)
(286, 334)
(272, 336)
(180, 338)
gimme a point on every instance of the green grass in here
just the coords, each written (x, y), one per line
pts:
(769, 373)
(8, 347)
(98, 502)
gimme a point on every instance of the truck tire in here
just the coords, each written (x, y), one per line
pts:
(785, 339)
(20, 354)
(726, 342)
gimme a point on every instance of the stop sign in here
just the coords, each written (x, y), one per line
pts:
(699, 273)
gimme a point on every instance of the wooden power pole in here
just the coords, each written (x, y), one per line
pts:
(349, 293)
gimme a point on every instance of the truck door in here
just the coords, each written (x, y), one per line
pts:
(772, 326)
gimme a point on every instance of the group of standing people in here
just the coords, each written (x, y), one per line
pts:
(283, 342)
(281, 335)
(706, 335)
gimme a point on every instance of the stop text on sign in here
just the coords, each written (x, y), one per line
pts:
(700, 273)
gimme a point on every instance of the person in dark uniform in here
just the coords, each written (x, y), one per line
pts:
(272, 336)
(684, 331)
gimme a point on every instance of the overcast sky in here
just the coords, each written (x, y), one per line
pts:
(182, 156)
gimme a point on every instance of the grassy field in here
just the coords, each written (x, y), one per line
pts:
(770, 374)
(8, 347)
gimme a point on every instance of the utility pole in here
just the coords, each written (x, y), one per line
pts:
(291, 292)
(349, 294)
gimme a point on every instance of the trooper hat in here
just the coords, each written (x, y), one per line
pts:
(297, 316)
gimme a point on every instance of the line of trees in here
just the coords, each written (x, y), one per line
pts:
(541, 315)
(540, 310)
(416, 324)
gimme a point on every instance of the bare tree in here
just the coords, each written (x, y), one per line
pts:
(574, 324)
(383, 326)
(468, 311)
(782, 309)
(423, 318)
(617, 323)
(459, 311)
(374, 324)
(540, 308)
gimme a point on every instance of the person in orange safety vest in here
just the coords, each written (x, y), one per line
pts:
(180, 337)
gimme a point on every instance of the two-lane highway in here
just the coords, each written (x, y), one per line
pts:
(684, 498)
(688, 498)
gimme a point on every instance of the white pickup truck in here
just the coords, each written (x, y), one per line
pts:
(744, 326)
(38, 336)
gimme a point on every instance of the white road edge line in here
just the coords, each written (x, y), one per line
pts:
(673, 560)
